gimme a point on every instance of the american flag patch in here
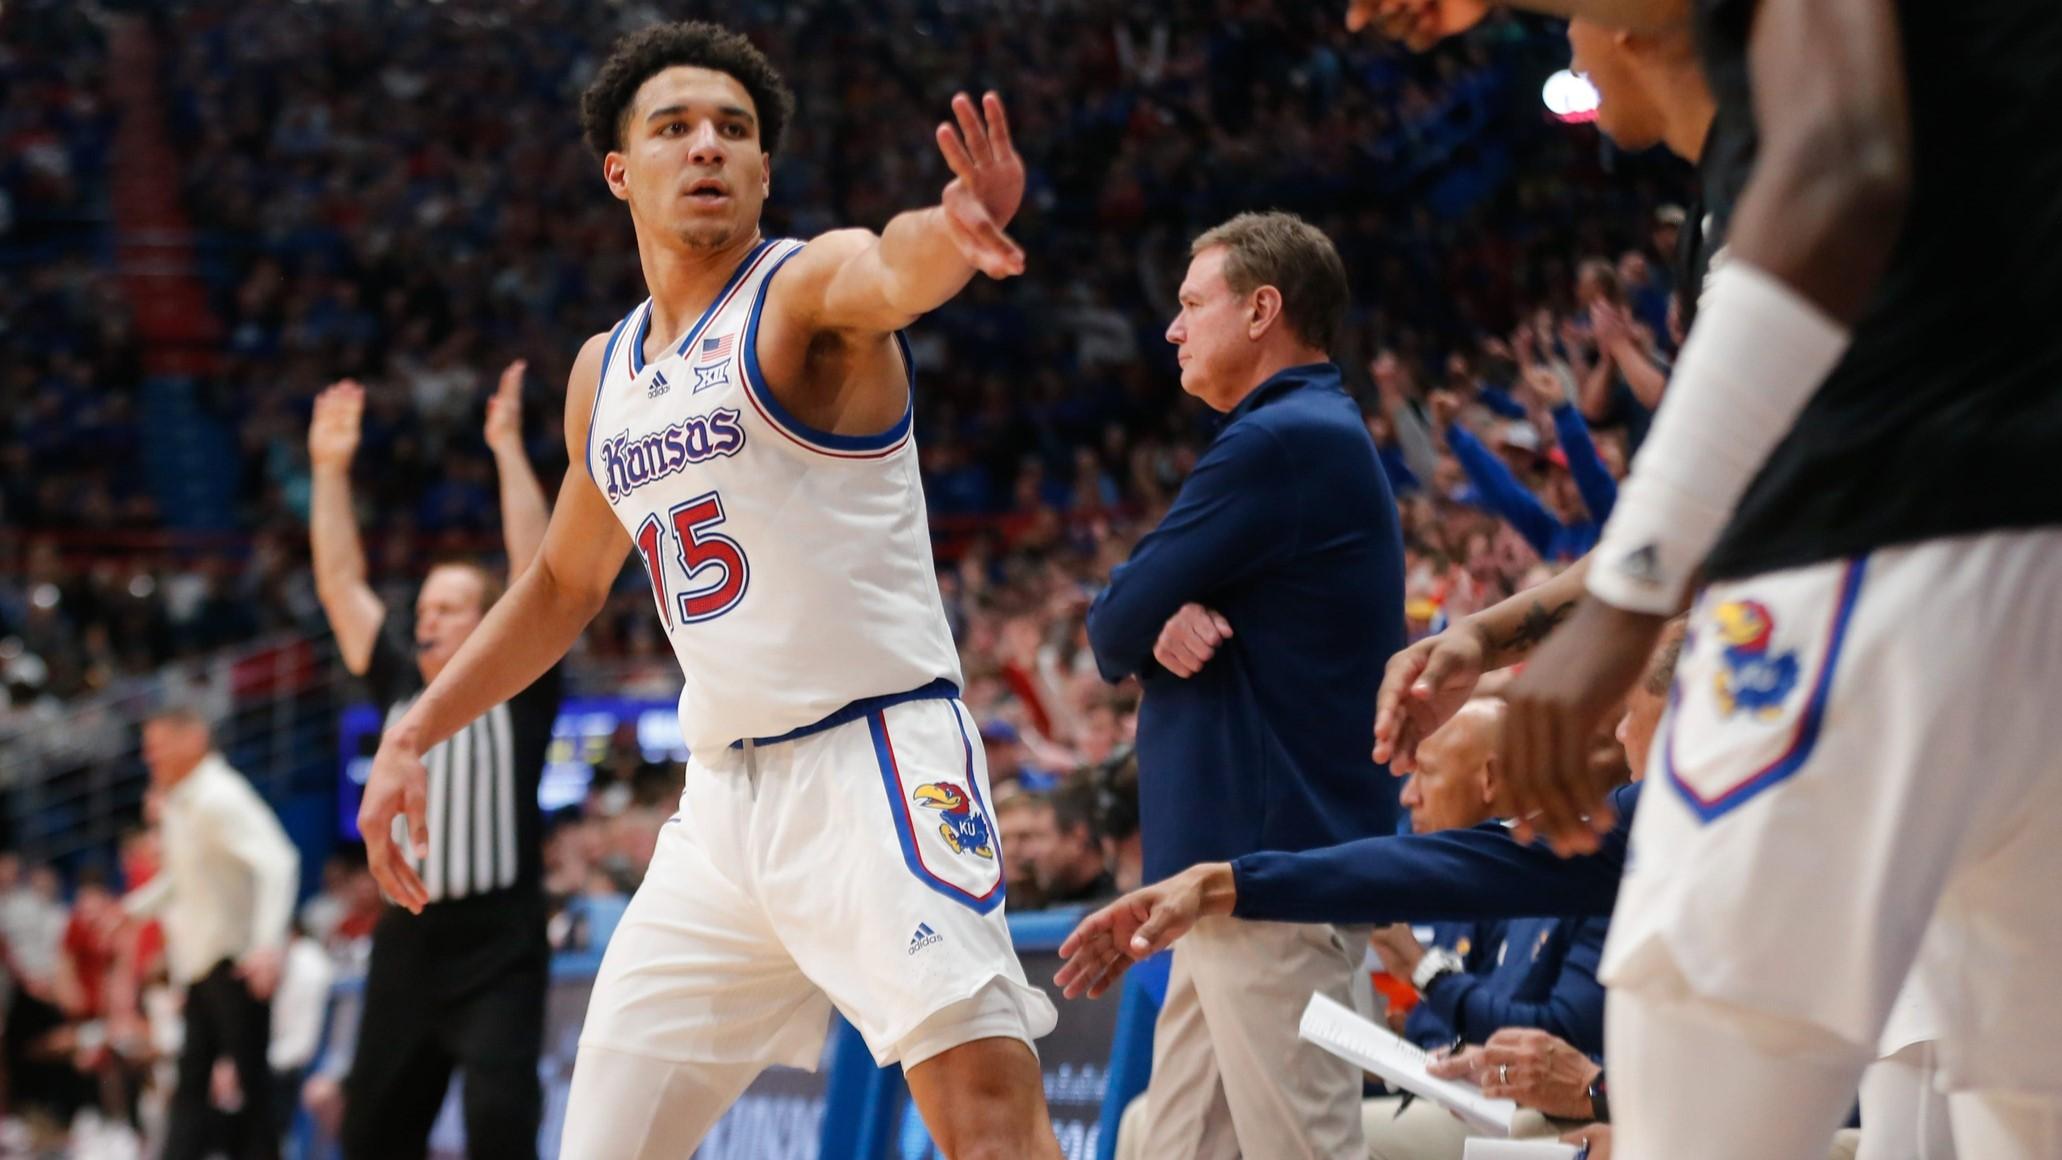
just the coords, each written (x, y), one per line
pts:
(717, 349)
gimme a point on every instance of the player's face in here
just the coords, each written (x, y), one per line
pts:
(446, 612)
(1624, 111)
(1210, 332)
(691, 166)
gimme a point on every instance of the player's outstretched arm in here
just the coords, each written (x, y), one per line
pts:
(354, 610)
(525, 633)
(854, 282)
(524, 511)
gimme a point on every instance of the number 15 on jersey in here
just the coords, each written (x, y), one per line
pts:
(716, 559)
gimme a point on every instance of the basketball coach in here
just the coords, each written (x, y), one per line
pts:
(1258, 615)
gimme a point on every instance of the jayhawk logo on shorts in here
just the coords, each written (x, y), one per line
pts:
(965, 828)
(1754, 680)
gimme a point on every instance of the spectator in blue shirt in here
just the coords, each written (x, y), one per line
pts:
(1581, 489)
(1258, 616)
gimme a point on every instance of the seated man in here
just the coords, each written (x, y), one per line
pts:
(1527, 972)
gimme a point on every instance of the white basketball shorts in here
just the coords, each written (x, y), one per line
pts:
(859, 867)
(1853, 750)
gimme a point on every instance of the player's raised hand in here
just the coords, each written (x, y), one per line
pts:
(1554, 709)
(339, 417)
(987, 185)
(1189, 639)
(1137, 926)
(1422, 688)
(397, 787)
(505, 410)
(1419, 24)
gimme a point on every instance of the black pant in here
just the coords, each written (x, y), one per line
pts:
(224, 1020)
(461, 985)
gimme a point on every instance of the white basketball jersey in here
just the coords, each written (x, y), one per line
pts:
(792, 567)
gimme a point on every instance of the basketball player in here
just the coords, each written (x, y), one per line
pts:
(747, 429)
(1850, 453)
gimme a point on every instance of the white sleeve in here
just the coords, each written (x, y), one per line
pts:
(247, 831)
(148, 900)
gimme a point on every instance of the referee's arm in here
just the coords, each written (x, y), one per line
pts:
(354, 611)
(1227, 522)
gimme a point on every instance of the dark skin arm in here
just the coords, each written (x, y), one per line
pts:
(1822, 214)
(1834, 174)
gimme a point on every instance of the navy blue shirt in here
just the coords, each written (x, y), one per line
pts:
(1288, 529)
(1542, 974)
(1449, 876)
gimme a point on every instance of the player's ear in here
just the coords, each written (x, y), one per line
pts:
(616, 172)
(1264, 309)
(765, 176)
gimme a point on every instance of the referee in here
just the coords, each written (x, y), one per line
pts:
(1258, 616)
(461, 985)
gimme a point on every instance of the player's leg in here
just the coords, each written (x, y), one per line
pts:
(1188, 1114)
(2007, 1125)
(497, 1036)
(1697, 1079)
(695, 993)
(1903, 1116)
(637, 1107)
(984, 1100)
(880, 867)
(1288, 1098)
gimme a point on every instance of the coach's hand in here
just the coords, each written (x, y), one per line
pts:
(1139, 925)
(397, 786)
(1423, 687)
(1189, 639)
(1419, 24)
(1555, 707)
(987, 186)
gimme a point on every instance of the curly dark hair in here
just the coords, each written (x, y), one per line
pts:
(643, 54)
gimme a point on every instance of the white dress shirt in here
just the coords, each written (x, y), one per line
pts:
(229, 875)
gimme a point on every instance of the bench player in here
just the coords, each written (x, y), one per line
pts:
(1856, 449)
(747, 430)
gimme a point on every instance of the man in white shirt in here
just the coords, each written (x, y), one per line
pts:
(225, 896)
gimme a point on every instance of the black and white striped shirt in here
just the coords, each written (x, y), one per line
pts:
(484, 821)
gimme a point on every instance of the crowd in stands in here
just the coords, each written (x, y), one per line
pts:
(363, 214)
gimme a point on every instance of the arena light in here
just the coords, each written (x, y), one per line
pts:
(1570, 97)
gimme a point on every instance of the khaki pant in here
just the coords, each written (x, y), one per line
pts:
(1230, 1074)
(1426, 1131)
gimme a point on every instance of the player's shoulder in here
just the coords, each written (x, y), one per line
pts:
(812, 261)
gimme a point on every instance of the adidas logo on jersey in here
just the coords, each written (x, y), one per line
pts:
(657, 386)
(923, 937)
